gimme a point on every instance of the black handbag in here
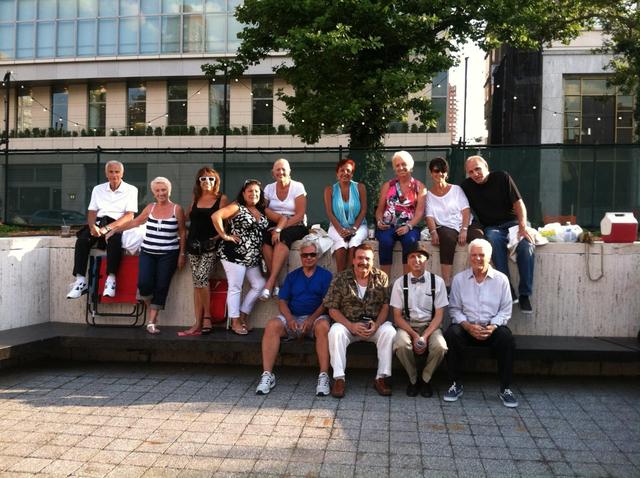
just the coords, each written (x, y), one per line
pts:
(196, 247)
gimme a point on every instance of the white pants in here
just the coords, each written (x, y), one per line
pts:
(338, 242)
(340, 338)
(235, 277)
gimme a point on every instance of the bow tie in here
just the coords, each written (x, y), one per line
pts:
(418, 280)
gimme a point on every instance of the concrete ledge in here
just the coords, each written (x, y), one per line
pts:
(535, 354)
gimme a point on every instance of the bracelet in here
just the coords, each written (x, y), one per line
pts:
(464, 228)
(410, 226)
(107, 228)
(432, 231)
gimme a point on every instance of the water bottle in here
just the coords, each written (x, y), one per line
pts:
(372, 233)
(421, 343)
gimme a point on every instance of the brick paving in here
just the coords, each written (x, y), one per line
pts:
(133, 420)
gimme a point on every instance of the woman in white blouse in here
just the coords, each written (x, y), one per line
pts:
(287, 198)
(447, 215)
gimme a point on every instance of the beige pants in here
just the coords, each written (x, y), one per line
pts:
(403, 347)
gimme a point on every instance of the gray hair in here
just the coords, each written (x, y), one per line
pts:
(482, 160)
(309, 243)
(482, 244)
(117, 163)
(161, 180)
(406, 156)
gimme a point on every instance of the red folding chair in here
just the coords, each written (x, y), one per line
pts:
(126, 293)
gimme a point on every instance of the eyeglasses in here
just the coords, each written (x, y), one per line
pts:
(204, 179)
(307, 255)
(436, 171)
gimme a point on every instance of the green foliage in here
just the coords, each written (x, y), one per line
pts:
(359, 64)
(621, 21)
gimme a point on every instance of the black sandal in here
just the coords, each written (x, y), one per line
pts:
(206, 330)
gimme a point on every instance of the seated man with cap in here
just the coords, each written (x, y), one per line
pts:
(417, 300)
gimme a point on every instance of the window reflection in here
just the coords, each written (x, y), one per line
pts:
(128, 36)
(149, 34)
(86, 38)
(106, 37)
(46, 39)
(170, 34)
(59, 107)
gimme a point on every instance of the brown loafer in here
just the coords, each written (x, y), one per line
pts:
(337, 389)
(381, 387)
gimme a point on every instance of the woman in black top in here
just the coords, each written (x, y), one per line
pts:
(201, 244)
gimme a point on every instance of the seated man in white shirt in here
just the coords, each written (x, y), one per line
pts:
(112, 204)
(417, 301)
(480, 308)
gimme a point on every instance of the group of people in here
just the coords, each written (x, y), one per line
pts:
(252, 236)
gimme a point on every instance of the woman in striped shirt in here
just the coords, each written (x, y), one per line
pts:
(162, 248)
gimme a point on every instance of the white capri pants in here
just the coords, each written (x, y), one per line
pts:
(235, 277)
(338, 242)
(340, 338)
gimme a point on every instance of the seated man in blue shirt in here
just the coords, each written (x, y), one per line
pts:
(480, 307)
(302, 314)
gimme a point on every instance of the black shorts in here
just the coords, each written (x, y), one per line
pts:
(288, 235)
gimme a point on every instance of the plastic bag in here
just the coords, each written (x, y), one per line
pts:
(320, 237)
(557, 232)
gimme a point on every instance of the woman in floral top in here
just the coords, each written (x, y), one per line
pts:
(396, 217)
(239, 250)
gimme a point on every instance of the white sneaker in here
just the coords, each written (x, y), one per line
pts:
(109, 288)
(267, 382)
(78, 289)
(323, 388)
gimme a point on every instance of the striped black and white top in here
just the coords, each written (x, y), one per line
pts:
(161, 235)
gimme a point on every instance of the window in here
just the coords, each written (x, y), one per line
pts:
(97, 109)
(26, 9)
(47, 10)
(25, 104)
(128, 36)
(439, 93)
(596, 112)
(177, 104)
(59, 107)
(25, 40)
(106, 37)
(171, 34)
(216, 33)
(46, 40)
(7, 10)
(86, 38)
(150, 35)
(87, 8)
(193, 33)
(66, 36)
(216, 104)
(150, 6)
(129, 7)
(262, 90)
(108, 8)
(6, 41)
(136, 106)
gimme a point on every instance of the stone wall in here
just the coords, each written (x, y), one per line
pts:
(35, 274)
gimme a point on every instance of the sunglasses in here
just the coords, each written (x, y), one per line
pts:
(252, 181)
(436, 170)
(204, 179)
(307, 255)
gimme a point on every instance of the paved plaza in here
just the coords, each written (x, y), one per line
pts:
(132, 420)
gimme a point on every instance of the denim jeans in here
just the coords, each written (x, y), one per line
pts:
(387, 239)
(498, 236)
(154, 276)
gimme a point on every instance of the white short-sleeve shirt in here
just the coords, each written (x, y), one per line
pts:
(114, 203)
(447, 210)
(420, 298)
(288, 206)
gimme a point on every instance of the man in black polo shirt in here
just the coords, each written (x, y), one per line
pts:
(498, 205)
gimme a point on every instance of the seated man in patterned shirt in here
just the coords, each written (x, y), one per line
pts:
(358, 302)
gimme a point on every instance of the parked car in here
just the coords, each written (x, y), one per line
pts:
(57, 217)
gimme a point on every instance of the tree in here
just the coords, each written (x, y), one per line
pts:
(621, 21)
(356, 65)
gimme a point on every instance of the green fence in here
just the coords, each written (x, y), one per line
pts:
(46, 187)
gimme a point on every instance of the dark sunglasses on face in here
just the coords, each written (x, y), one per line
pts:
(307, 255)
(436, 170)
(211, 179)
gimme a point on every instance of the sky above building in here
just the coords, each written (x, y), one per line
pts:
(476, 77)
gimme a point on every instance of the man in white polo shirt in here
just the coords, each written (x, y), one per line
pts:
(112, 203)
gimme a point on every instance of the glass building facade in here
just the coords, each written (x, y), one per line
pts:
(40, 29)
